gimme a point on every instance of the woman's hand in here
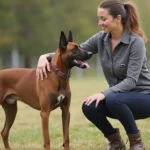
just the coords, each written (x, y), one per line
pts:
(42, 66)
(95, 97)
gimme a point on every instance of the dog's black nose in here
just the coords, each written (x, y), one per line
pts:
(89, 54)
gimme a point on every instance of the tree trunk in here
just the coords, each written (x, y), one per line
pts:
(15, 57)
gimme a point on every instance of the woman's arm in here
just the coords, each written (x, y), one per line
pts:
(43, 63)
(91, 44)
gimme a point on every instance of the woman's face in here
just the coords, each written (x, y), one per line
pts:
(106, 21)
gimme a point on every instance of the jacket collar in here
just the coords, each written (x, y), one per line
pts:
(124, 39)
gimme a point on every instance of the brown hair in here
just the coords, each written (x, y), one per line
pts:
(128, 11)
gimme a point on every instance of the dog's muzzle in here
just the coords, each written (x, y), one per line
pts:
(89, 55)
(80, 60)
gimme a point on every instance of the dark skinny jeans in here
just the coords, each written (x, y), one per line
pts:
(126, 107)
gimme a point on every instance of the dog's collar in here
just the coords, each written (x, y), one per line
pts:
(59, 73)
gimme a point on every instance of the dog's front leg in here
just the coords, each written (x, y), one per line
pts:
(65, 122)
(45, 127)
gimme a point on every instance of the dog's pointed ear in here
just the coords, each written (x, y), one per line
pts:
(63, 41)
(70, 37)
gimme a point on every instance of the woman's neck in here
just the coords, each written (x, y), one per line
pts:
(117, 34)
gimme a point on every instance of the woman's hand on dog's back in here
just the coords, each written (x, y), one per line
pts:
(42, 67)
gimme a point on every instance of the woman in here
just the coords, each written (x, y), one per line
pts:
(123, 58)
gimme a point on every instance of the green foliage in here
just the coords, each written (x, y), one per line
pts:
(34, 26)
(33, 19)
(8, 26)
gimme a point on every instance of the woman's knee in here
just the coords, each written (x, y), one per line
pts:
(88, 110)
(85, 109)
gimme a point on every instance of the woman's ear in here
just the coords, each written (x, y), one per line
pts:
(119, 18)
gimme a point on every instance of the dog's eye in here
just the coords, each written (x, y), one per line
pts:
(75, 50)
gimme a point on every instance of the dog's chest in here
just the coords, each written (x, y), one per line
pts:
(59, 97)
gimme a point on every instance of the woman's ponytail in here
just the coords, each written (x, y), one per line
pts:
(132, 23)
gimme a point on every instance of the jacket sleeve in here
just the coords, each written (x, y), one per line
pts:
(136, 59)
(92, 43)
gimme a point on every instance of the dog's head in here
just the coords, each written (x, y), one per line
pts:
(71, 53)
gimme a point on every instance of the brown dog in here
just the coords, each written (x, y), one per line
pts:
(46, 95)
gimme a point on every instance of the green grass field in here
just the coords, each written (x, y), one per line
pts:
(26, 133)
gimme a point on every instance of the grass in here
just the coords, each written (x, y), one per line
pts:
(26, 133)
